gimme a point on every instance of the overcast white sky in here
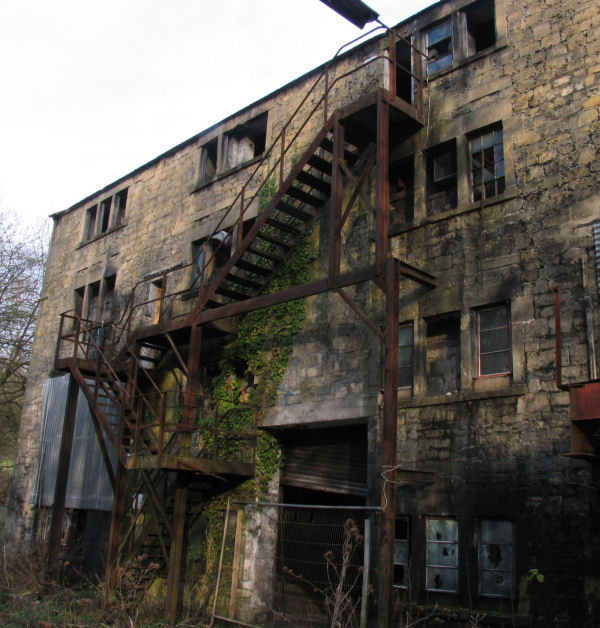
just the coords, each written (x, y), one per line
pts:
(91, 90)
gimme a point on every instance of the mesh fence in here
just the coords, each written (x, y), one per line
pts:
(295, 565)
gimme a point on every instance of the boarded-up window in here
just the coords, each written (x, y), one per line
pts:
(442, 554)
(496, 558)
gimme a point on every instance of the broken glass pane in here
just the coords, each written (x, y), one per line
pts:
(439, 579)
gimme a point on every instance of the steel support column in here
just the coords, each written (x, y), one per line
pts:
(62, 477)
(179, 508)
(382, 192)
(115, 524)
(388, 440)
(176, 554)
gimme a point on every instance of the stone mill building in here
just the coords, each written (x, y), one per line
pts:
(359, 315)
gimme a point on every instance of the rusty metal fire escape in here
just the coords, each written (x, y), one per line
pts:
(175, 441)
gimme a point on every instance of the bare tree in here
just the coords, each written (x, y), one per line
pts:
(22, 258)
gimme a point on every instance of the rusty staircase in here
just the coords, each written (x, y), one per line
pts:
(122, 371)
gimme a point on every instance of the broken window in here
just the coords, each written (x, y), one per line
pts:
(90, 222)
(402, 176)
(405, 356)
(496, 558)
(104, 220)
(443, 354)
(208, 255)
(245, 142)
(487, 163)
(120, 205)
(442, 554)
(480, 26)
(494, 340)
(208, 161)
(401, 553)
(438, 44)
(441, 189)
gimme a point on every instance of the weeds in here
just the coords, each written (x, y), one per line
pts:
(24, 603)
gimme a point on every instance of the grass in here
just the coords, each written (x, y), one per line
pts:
(25, 601)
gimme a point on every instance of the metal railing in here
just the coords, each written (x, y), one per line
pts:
(281, 149)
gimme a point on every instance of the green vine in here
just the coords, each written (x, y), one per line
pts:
(250, 375)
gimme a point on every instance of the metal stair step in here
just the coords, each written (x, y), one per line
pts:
(242, 281)
(296, 212)
(283, 227)
(305, 197)
(253, 268)
(267, 237)
(320, 164)
(314, 182)
(266, 254)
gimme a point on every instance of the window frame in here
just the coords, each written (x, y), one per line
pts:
(479, 192)
(430, 542)
(432, 45)
(482, 569)
(509, 347)
(403, 543)
(411, 345)
(105, 216)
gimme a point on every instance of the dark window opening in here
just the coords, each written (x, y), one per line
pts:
(438, 44)
(480, 26)
(441, 188)
(78, 301)
(494, 340)
(109, 298)
(208, 161)
(404, 82)
(120, 205)
(443, 354)
(93, 305)
(90, 222)
(496, 558)
(401, 553)
(442, 554)
(105, 206)
(245, 142)
(487, 163)
(405, 356)
(402, 177)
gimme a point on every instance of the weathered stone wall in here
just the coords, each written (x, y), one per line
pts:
(497, 445)
(167, 209)
(494, 444)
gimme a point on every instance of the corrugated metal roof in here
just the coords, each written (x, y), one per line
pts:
(88, 487)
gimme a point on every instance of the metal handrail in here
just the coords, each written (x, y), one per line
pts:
(242, 198)
(122, 328)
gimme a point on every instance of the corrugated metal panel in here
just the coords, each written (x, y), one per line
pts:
(331, 459)
(596, 231)
(88, 487)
